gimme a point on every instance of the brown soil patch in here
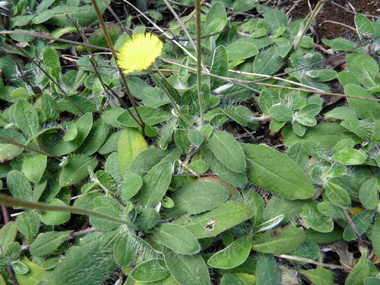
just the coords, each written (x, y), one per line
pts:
(341, 11)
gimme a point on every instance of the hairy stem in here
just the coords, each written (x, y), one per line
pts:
(199, 58)
(110, 44)
(28, 147)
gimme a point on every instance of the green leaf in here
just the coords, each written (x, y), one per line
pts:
(95, 265)
(278, 206)
(217, 25)
(233, 255)
(375, 234)
(326, 75)
(342, 113)
(34, 275)
(330, 210)
(217, 220)
(83, 126)
(368, 193)
(155, 184)
(55, 218)
(229, 279)
(82, 103)
(326, 134)
(197, 197)
(187, 269)
(243, 5)
(323, 238)
(199, 166)
(363, 25)
(51, 60)
(20, 268)
(257, 204)
(150, 116)
(360, 271)
(131, 143)
(28, 224)
(84, 14)
(359, 128)
(147, 218)
(154, 97)
(279, 241)
(26, 118)
(177, 238)
(315, 219)
(276, 19)
(42, 17)
(275, 172)
(217, 10)
(227, 150)
(76, 170)
(107, 181)
(219, 65)
(267, 62)
(111, 143)
(7, 235)
(241, 50)
(131, 184)
(50, 263)
(308, 249)
(267, 271)
(298, 155)
(94, 140)
(349, 156)
(34, 166)
(19, 185)
(337, 195)
(281, 113)
(319, 276)
(122, 252)
(71, 134)
(150, 271)
(346, 77)
(339, 44)
(104, 225)
(365, 68)
(217, 167)
(181, 139)
(195, 137)
(8, 152)
(362, 221)
(48, 242)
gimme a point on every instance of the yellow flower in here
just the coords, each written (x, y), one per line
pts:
(139, 53)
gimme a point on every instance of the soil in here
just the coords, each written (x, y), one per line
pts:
(339, 11)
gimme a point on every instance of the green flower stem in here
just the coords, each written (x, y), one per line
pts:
(14, 202)
(163, 88)
(199, 57)
(110, 44)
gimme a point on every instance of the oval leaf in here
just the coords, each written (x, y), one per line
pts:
(234, 255)
(275, 172)
(177, 238)
(150, 271)
(227, 150)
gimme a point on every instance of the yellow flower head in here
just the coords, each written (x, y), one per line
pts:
(139, 53)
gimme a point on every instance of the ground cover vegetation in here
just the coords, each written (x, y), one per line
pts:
(130, 153)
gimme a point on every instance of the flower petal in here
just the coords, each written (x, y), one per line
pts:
(139, 53)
